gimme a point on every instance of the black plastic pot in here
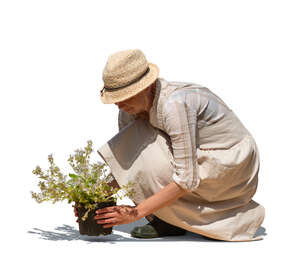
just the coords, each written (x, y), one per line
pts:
(90, 226)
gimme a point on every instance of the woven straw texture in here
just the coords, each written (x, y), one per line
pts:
(126, 74)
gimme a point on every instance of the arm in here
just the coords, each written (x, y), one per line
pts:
(116, 215)
(180, 121)
(163, 198)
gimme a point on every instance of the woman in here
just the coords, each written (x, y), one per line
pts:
(194, 164)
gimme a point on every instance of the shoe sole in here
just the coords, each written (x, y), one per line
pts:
(142, 236)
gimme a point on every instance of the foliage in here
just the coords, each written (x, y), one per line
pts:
(86, 186)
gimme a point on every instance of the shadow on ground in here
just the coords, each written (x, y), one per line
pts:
(120, 233)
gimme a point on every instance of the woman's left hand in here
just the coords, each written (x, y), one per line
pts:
(116, 215)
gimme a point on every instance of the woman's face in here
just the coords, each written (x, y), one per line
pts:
(133, 105)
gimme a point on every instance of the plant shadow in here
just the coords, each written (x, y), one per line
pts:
(120, 233)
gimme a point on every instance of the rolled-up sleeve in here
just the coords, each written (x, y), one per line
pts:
(180, 122)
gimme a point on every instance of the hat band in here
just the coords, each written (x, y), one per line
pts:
(128, 84)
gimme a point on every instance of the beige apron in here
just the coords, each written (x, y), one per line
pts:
(141, 153)
(220, 208)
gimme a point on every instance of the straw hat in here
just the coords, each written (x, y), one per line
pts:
(126, 74)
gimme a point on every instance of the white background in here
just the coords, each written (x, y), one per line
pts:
(51, 60)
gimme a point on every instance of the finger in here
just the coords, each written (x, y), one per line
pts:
(107, 209)
(105, 216)
(110, 220)
(108, 225)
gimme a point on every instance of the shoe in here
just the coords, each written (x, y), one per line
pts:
(156, 228)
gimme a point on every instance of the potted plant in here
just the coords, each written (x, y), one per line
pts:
(88, 186)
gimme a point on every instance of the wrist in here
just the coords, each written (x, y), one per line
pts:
(140, 213)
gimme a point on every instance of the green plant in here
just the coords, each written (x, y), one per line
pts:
(86, 186)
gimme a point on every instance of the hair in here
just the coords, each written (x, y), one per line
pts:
(152, 90)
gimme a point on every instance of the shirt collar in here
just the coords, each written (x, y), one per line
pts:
(155, 111)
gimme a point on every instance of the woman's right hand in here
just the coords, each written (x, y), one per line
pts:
(75, 212)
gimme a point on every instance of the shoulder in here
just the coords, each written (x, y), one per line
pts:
(178, 110)
(186, 97)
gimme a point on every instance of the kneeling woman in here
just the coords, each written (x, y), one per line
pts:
(194, 164)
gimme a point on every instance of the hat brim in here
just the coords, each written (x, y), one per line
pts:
(118, 95)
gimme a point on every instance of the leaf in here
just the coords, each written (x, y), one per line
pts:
(89, 184)
(73, 176)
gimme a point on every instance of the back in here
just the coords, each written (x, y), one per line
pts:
(217, 125)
